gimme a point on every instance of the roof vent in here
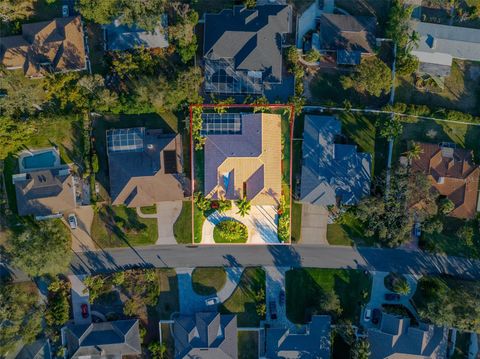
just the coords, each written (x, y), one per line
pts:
(150, 146)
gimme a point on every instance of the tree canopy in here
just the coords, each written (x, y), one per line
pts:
(11, 10)
(449, 302)
(13, 133)
(20, 315)
(371, 77)
(42, 248)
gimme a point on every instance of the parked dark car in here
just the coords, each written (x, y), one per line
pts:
(392, 297)
(273, 310)
(376, 316)
(84, 310)
(281, 297)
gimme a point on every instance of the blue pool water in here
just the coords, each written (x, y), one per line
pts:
(41, 160)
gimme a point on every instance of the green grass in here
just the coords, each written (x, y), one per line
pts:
(460, 92)
(208, 280)
(305, 286)
(448, 243)
(432, 131)
(230, 231)
(149, 209)
(296, 222)
(242, 302)
(348, 232)
(120, 226)
(247, 344)
(462, 346)
(182, 229)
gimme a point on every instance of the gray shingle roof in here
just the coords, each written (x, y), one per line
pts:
(315, 343)
(251, 38)
(206, 335)
(439, 44)
(397, 339)
(331, 171)
(121, 337)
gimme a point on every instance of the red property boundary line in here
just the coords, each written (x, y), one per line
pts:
(291, 107)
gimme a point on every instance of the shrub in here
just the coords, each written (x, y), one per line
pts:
(202, 203)
(466, 234)
(230, 231)
(312, 56)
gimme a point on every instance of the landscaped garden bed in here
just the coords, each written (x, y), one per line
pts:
(230, 231)
(208, 280)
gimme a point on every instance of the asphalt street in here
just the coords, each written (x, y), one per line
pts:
(174, 256)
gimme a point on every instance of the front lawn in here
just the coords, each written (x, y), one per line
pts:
(243, 300)
(304, 288)
(460, 90)
(296, 222)
(208, 280)
(347, 231)
(448, 241)
(149, 209)
(247, 344)
(120, 226)
(182, 229)
(230, 231)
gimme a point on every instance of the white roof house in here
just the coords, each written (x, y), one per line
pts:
(440, 44)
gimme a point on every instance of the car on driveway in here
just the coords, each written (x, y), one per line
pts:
(212, 301)
(376, 315)
(392, 297)
(367, 314)
(72, 221)
(84, 308)
(281, 298)
(273, 310)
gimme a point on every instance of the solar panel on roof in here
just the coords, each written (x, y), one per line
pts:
(125, 140)
(221, 124)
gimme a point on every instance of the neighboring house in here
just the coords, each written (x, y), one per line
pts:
(395, 339)
(102, 340)
(206, 335)
(346, 37)
(145, 166)
(332, 173)
(39, 349)
(440, 44)
(242, 48)
(243, 155)
(123, 37)
(44, 188)
(314, 343)
(48, 46)
(453, 173)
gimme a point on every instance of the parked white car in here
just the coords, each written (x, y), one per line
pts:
(212, 301)
(65, 11)
(72, 221)
(367, 314)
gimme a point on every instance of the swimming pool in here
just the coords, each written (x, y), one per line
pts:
(39, 160)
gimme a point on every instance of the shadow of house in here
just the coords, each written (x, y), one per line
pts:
(48, 46)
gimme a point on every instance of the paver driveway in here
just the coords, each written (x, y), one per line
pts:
(314, 224)
(261, 222)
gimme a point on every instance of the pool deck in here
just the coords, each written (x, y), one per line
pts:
(31, 153)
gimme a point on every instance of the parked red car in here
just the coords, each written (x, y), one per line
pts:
(84, 310)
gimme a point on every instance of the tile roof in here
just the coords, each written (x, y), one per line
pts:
(453, 173)
(314, 343)
(251, 159)
(144, 177)
(45, 192)
(206, 335)
(330, 171)
(99, 340)
(396, 339)
(249, 37)
(58, 43)
(346, 32)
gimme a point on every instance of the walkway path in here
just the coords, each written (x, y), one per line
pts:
(191, 302)
(261, 223)
(166, 215)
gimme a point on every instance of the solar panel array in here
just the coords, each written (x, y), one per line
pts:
(125, 140)
(221, 124)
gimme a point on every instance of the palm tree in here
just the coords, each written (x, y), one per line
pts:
(244, 206)
(414, 152)
(401, 286)
(413, 40)
(361, 349)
